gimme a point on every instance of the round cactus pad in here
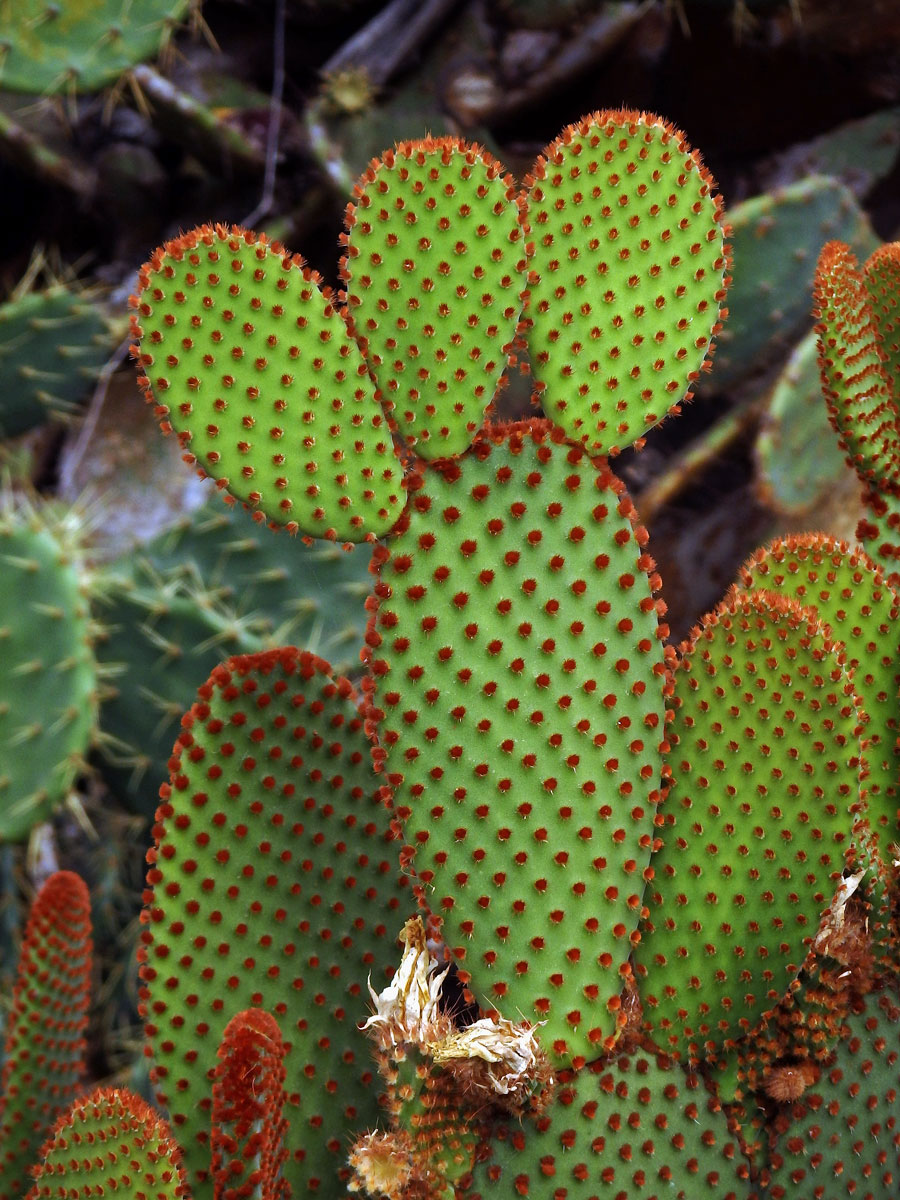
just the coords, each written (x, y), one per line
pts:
(274, 887)
(856, 379)
(250, 363)
(628, 275)
(110, 1142)
(432, 277)
(635, 1129)
(518, 683)
(80, 45)
(757, 822)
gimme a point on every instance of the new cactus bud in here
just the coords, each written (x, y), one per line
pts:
(628, 277)
(432, 282)
(45, 1046)
(110, 1142)
(517, 680)
(249, 361)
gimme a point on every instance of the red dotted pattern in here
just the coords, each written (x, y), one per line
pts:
(246, 358)
(517, 690)
(628, 274)
(432, 274)
(765, 765)
(272, 884)
(851, 362)
(882, 278)
(44, 1048)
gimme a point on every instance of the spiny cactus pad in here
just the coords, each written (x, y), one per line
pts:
(79, 45)
(849, 593)
(635, 1129)
(757, 822)
(45, 1046)
(110, 1142)
(628, 277)
(881, 273)
(48, 693)
(518, 678)
(272, 887)
(856, 379)
(250, 363)
(249, 1129)
(432, 278)
(842, 1137)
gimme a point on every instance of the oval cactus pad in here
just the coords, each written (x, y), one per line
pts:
(250, 363)
(757, 822)
(518, 689)
(274, 886)
(432, 278)
(628, 275)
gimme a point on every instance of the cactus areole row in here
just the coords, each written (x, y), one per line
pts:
(648, 898)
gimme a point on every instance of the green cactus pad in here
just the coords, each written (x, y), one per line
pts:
(637, 1128)
(45, 1047)
(855, 380)
(518, 679)
(250, 363)
(879, 531)
(881, 274)
(432, 279)
(628, 276)
(110, 1142)
(842, 1137)
(53, 345)
(248, 1128)
(849, 593)
(757, 822)
(48, 694)
(273, 886)
(775, 240)
(80, 45)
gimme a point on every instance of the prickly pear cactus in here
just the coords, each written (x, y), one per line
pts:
(80, 45)
(49, 693)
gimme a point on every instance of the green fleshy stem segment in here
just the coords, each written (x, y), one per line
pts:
(758, 821)
(131, 1154)
(53, 345)
(518, 681)
(80, 45)
(431, 270)
(775, 240)
(855, 378)
(881, 274)
(44, 1049)
(273, 886)
(849, 593)
(627, 278)
(879, 531)
(840, 1137)
(249, 362)
(638, 1127)
(48, 694)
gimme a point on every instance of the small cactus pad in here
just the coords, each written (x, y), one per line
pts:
(48, 694)
(626, 284)
(856, 379)
(432, 279)
(273, 886)
(110, 1143)
(44, 1051)
(879, 531)
(250, 363)
(518, 680)
(849, 593)
(881, 273)
(80, 45)
(636, 1129)
(756, 824)
(842, 1136)
(248, 1128)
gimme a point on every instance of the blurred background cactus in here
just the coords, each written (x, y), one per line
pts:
(127, 583)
